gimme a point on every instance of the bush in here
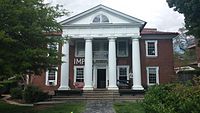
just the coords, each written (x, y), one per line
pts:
(7, 85)
(16, 93)
(172, 98)
(34, 94)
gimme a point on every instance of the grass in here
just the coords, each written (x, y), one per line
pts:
(129, 107)
(58, 108)
(7, 108)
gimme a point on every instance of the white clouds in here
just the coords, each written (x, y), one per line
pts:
(155, 12)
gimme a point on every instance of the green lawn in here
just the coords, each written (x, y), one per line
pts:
(59, 108)
(129, 107)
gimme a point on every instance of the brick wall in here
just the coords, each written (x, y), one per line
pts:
(164, 61)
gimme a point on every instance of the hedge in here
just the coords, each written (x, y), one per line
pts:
(172, 98)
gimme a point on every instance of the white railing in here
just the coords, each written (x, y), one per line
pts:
(100, 55)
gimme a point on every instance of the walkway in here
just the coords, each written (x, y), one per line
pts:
(6, 99)
(99, 106)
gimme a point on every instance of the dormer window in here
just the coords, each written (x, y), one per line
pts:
(100, 19)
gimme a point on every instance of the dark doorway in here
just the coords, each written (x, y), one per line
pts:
(101, 78)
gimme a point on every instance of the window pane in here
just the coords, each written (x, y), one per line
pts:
(105, 46)
(100, 19)
(96, 19)
(104, 18)
(80, 49)
(51, 74)
(79, 74)
(123, 71)
(122, 48)
(79, 80)
(96, 46)
(152, 75)
(123, 78)
(79, 71)
(151, 48)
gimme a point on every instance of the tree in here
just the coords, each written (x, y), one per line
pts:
(191, 11)
(23, 40)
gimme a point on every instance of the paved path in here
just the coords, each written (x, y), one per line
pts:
(6, 99)
(99, 106)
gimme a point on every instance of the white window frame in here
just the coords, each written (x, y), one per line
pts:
(125, 55)
(100, 21)
(75, 67)
(76, 48)
(155, 45)
(157, 75)
(54, 81)
(123, 66)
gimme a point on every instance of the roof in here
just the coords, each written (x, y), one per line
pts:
(98, 7)
(154, 31)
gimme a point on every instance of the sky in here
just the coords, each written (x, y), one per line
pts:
(156, 13)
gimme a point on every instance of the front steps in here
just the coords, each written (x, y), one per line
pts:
(98, 94)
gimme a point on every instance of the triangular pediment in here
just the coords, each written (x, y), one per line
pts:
(114, 17)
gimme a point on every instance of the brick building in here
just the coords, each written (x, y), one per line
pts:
(109, 49)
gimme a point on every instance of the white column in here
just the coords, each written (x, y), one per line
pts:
(112, 64)
(64, 79)
(136, 64)
(88, 65)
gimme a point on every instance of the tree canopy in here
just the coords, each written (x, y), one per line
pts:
(191, 11)
(24, 25)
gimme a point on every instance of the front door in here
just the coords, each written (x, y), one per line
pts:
(101, 78)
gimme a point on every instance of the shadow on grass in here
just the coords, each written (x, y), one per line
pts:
(129, 107)
(77, 107)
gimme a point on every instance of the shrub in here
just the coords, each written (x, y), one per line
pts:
(16, 93)
(7, 85)
(172, 98)
(34, 94)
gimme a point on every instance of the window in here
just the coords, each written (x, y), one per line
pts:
(100, 45)
(122, 48)
(122, 72)
(80, 49)
(151, 48)
(152, 75)
(78, 74)
(51, 76)
(96, 46)
(100, 19)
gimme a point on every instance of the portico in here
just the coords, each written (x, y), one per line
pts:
(103, 63)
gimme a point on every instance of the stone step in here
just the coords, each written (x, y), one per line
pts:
(67, 96)
(83, 98)
(97, 97)
(100, 92)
